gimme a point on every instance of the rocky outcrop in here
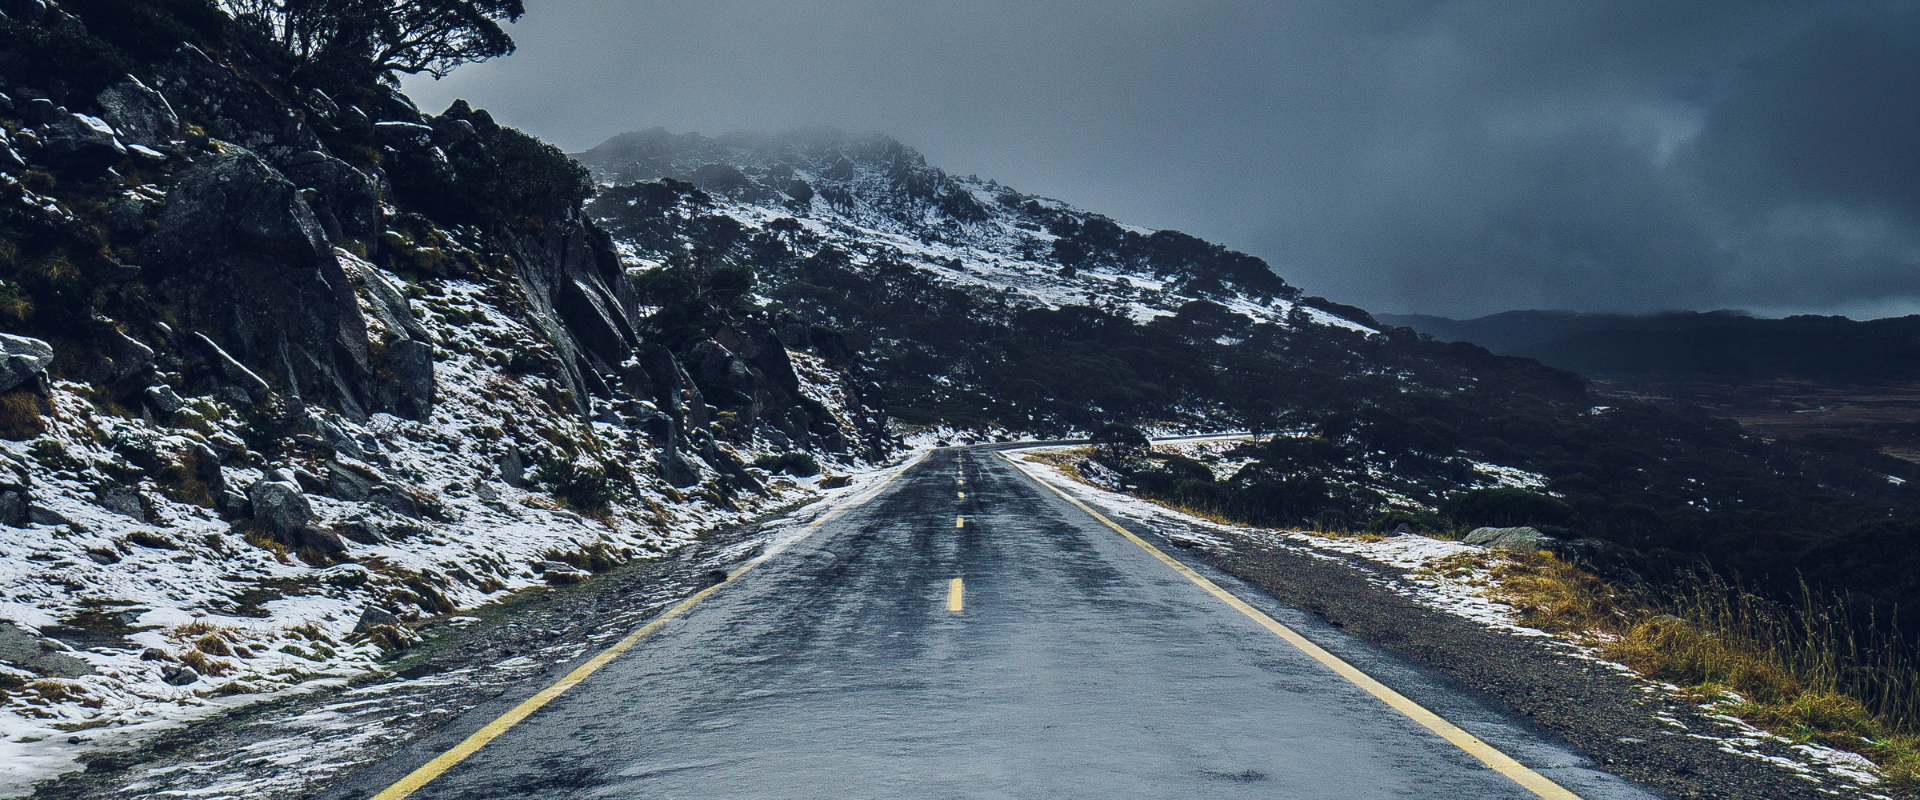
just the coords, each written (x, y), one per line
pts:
(24, 650)
(241, 254)
(573, 280)
(1520, 539)
(22, 361)
(141, 115)
(284, 513)
(245, 112)
(79, 144)
(402, 381)
(344, 200)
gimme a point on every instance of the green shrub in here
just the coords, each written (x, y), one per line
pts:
(795, 463)
(1507, 507)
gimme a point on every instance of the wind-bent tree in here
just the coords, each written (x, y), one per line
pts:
(383, 36)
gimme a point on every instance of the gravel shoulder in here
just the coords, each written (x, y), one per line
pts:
(1627, 725)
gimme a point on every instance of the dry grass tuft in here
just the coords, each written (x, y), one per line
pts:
(1822, 672)
(204, 664)
(22, 415)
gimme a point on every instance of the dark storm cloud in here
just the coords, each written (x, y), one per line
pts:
(1448, 157)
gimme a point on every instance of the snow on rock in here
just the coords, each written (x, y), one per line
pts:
(138, 551)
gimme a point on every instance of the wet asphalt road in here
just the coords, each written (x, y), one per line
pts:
(1077, 666)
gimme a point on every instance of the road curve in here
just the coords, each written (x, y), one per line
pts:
(967, 632)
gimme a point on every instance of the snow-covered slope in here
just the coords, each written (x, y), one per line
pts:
(877, 199)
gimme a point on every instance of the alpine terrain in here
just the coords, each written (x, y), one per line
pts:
(354, 450)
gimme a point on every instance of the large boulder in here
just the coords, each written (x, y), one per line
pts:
(239, 251)
(403, 374)
(345, 200)
(142, 115)
(14, 509)
(279, 506)
(1520, 539)
(285, 514)
(22, 360)
(80, 144)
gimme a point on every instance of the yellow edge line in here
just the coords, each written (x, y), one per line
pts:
(956, 593)
(419, 778)
(1488, 754)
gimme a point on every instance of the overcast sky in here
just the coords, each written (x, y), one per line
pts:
(1454, 158)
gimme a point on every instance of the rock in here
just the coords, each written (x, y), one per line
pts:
(123, 501)
(11, 163)
(345, 200)
(103, 556)
(232, 502)
(231, 369)
(560, 573)
(80, 144)
(142, 114)
(41, 111)
(131, 357)
(25, 650)
(513, 467)
(351, 480)
(147, 154)
(404, 136)
(412, 364)
(279, 506)
(41, 515)
(387, 306)
(13, 475)
(241, 252)
(206, 467)
(164, 399)
(1521, 539)
(374, 617)
(155, 654)
(22, 360)
(13, 509)
(178, 674)
(676, 470)
(247, 113)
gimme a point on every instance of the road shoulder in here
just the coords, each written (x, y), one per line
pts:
(1624, 724)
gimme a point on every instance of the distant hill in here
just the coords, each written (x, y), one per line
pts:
(1713, 345)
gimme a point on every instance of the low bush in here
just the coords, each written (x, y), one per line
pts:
(795, 463)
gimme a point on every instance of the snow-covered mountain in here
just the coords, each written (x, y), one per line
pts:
(942, 283)
(876, 198)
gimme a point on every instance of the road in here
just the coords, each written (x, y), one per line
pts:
(967, 632)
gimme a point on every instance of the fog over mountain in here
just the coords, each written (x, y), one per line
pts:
(1455, 158)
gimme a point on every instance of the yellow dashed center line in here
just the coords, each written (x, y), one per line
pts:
(963, 495)
(959, 522)
(956, 592)
(499, 726)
